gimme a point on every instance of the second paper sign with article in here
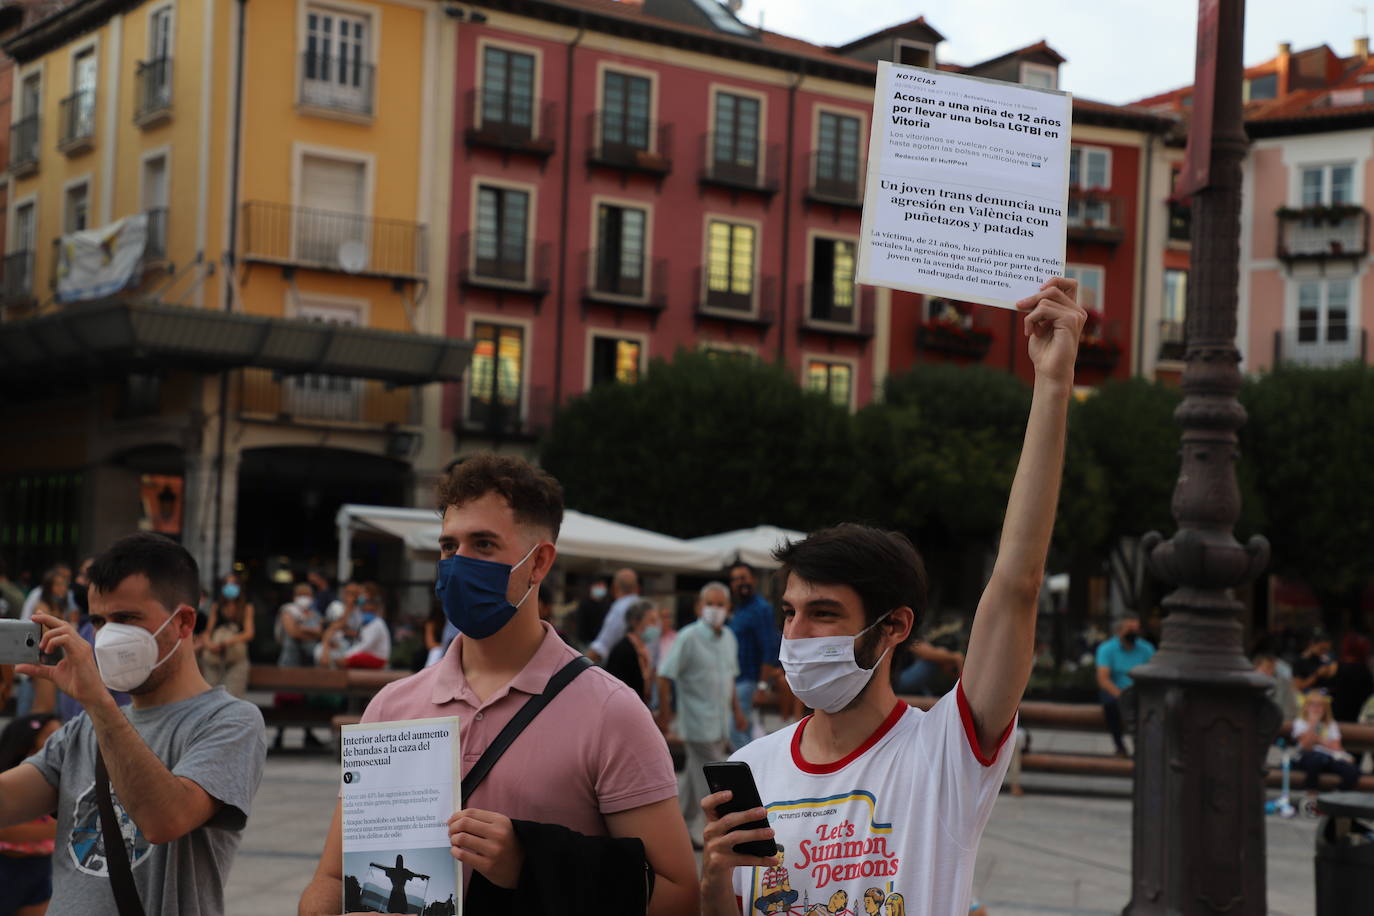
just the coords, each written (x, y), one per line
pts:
(400, 785)
(967, 193)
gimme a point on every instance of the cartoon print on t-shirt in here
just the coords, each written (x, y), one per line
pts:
(844, 842)
(86, 845)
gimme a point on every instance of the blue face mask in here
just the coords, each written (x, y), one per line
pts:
(651, 635)
(473, 593)
(230, 590)
(368, 617)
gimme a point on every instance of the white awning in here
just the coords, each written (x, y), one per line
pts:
(754, 546)
(584, 540)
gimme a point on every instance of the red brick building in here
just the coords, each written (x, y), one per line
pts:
(631, 178)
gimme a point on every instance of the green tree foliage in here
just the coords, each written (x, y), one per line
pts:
(1307, 448)
(940, 450)
(703, 444)
(1126, 432)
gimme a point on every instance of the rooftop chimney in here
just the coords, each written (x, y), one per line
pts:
(1362, 48)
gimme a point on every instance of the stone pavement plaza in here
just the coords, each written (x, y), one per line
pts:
(1061, 850)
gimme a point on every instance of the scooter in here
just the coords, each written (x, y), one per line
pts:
(1283, 805)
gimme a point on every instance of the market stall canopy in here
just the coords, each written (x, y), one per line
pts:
(584, 539)
(754, 546)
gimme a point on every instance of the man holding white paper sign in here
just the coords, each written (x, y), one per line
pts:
(584, 799)
(967, 186)
(869, 796)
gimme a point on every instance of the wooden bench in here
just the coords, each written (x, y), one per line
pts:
(1088, 717)
(354, 686)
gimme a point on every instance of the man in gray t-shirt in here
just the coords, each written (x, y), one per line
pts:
(183, 761)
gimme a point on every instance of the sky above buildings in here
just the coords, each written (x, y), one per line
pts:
(1118, 50)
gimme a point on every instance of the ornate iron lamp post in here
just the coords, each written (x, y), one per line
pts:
(1203, 721)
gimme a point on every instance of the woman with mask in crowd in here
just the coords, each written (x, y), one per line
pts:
(300, 627)
(224, 657)
(26, 849)
(631, 660)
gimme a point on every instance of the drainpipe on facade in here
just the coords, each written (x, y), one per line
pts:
(1144, 249)
(230, 264)
(783, 280)
(563, 214)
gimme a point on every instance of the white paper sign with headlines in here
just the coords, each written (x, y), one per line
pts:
(967, 193)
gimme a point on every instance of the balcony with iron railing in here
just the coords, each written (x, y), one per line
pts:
(520, 415)
(629, 143)
(1095, 217)
(954, 329)
(328, 240)
(16, 282)
(823, 314)
(727, 163)
(24, 139)
(634, 285)
(153, 92)
(337, 85)
(1307, 345)
(1173, 339)
(724, 300)
(1323, 233)
(76, 122)
(484, 265)
(511, 124)
(325, 399)
(834, 180)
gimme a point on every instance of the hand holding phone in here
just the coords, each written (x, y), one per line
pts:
(736, 778)
(19, 644)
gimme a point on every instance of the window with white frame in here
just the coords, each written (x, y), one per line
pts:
(837, 155)
(154, 77)
(1175, 296)
(1041, 76)
(333, 201)
(616, 359)
(75, 208)
(1328, 185)
(730, 265)
(336, 68)
(326, 397)
(735, 143)
(496, 376)
(508, 91)
(24, 133)
(78, 109)
(620, 244)
(16, 281)
(914, 53)
(502, 224)
(154, 192)
(1090, 167)
(832, 280)
(1090, 282)
(625, 106)
(833, 379)
(1323, 310)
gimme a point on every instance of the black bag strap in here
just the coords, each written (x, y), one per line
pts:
(116, 855)
(517, 724)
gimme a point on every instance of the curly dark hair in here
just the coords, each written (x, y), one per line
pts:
(534, 495)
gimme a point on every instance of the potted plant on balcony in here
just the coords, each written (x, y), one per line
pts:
(952, 331)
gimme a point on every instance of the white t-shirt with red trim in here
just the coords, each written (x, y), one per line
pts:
(891, 829)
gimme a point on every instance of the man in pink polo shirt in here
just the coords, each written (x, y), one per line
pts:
(592, 761)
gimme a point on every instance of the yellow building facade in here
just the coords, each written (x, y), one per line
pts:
(275, 172)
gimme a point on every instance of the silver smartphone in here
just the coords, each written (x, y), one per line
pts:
(19, 640)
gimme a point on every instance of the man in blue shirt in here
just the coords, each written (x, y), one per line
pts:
(1115, 658)
(756, 631)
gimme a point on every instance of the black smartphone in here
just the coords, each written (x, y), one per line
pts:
(739, 780)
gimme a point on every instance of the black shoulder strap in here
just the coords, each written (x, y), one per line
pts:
(516, 725)
(116, 855)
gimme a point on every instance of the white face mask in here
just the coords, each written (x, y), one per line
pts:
(822, 671)
(714, 615)
(126, 655)
(304, 601)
